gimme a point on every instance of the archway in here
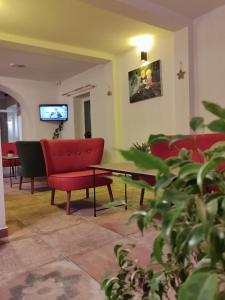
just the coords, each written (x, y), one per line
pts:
(10, 118)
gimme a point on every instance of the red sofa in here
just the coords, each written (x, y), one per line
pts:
(194, 143)
(197, 142)
(67, 164)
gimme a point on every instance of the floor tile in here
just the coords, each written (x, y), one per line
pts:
(60, 280)
(116, 220)
(54, 222)
(79, 239)
(24, 254)
(105, 258)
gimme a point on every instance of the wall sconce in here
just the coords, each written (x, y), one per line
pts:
(144, 56)
(143, 44)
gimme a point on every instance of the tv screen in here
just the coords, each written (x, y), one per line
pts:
(53, 112)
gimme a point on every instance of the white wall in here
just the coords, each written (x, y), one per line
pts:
(155, 115)
(182, 86)
(102, 110)
(209, 50)
(30, 94)
(2, 203)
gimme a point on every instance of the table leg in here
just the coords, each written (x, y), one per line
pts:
(125, 193)
(94, 193)
(10, 173)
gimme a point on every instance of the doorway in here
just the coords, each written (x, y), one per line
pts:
(10, 118)
(82, 116)
(87, 119)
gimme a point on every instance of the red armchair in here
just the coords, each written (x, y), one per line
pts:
(67, 164)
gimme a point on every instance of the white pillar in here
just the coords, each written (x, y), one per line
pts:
(2, 202)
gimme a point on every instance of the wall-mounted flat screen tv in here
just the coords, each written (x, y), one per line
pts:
(53, 112)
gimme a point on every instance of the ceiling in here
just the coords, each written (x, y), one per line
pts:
(190, 8)
(43, 67)
(57, 39)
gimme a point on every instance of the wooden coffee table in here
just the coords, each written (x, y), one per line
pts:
(121, 168)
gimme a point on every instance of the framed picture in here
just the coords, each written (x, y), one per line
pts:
(145, 82)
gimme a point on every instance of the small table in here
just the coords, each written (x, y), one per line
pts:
(12, 164)
(123, 168)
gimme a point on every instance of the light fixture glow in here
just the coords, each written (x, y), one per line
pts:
(13, 65)
(143, 43)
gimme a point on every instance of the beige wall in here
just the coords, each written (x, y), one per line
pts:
(182, 86)
(155, 115)
(209, 50)
(102, 109)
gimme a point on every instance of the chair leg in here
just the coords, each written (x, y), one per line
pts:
(68, 202)
(87, 193)
(142, 196)
(110, 192)
(52, 196)
(32, 185)
(21, 181)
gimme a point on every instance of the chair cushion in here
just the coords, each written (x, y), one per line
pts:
(78, 180)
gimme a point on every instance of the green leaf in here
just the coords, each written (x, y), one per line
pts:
(206, 168)
(220, 296)
(200, 209)
(199, 286)
(145, 160)
(158, 248)
(173, 161)
(155, 138)
(185, 154)
(218, 147)
(196, 123)
(212, 208)
(115, 203)
(164, 182)
(137, 183)
(108, 286)
(169, 220)
(141, 224)
(136, 215)
(188, 169)
(217, 126)
(214, 109)
(197, 234)
(217, 244)
(116, 249)
(178, 137)
(181, 199)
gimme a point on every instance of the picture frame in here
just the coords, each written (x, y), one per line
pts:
(145, 82)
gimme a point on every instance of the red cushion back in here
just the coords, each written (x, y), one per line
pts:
(8, 146)
(71, 155)
(164, 151)
(195, 143)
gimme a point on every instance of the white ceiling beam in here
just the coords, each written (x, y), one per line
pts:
(144, 11)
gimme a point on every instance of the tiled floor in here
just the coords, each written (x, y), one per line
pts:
(50, 255)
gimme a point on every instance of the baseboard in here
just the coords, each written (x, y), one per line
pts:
(3, 232)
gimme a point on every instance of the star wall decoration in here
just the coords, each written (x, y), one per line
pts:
(181, 73)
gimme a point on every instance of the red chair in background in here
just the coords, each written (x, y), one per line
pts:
(67, 164)
(6, 149)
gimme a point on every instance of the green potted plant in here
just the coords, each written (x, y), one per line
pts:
(189, 199)
(10, 153)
